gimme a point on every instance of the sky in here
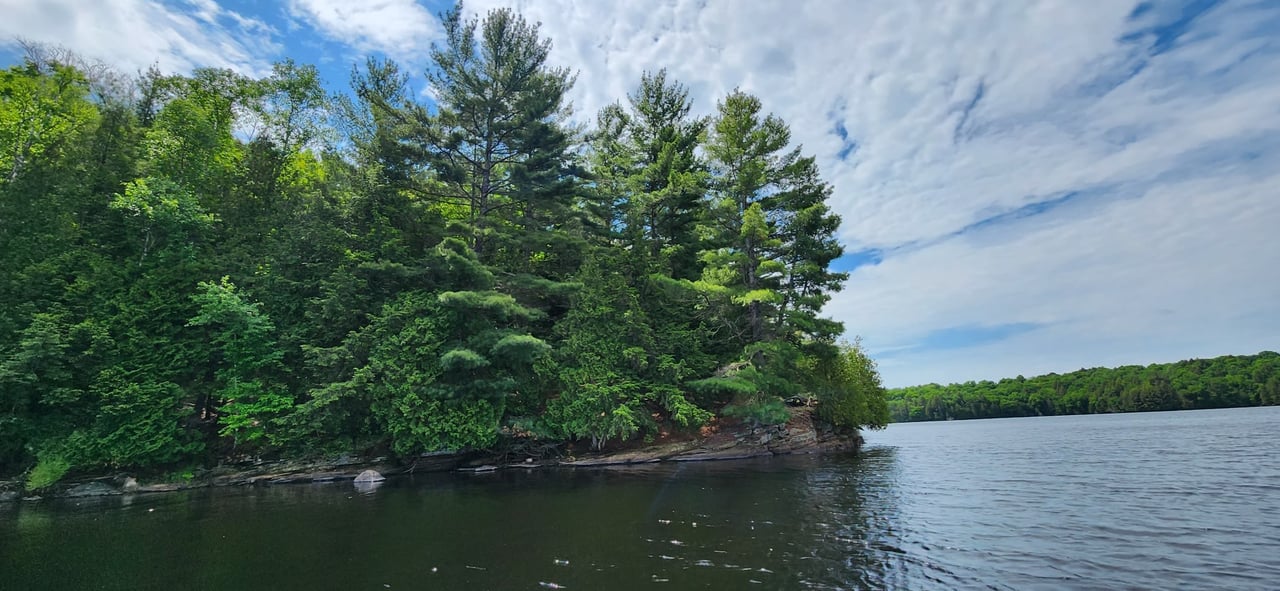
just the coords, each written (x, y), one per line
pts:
(1026, 187)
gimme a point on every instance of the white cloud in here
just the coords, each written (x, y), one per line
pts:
(403, 29)
(1167, 253)
(133, 34)
(961, 112)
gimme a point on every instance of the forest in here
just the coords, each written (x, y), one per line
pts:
(1222, 382)
(208, 266)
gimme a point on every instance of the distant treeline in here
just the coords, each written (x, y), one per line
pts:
(1221, 382)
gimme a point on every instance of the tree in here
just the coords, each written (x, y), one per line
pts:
(650, 176)
(768, 275)
(497, 141)
(1199, 383)
(850, 393)
(611, 374)
(163, 215)
(433, 370)
(44, 108)
(191, 268)
(246, 403)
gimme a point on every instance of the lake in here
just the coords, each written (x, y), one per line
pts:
(1177, 500)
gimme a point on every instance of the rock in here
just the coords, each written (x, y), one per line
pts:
(164, 487)
(345, 460)
(479, 469)
(370, 476)
(722, 455)
(436, 462)
(130, 485)
(9, 495)
(92, 489)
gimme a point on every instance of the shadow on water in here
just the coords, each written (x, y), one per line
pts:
(818, 522)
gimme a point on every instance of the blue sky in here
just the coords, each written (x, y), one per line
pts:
(1026, 187)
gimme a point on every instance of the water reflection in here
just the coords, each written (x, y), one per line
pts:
(773, 522)
(1092, 503)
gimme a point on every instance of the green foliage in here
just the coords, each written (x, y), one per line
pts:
(1221, 382)
(759, 410)
(161, 212)
(253, 412)
(47, 472)
(208, 265)
(462, 360)
(245, 352)
(735, 385)
(849, 390)
(520, 348)
(610, 373)
(418, 368)
(599, 411)
(139, 423)
(423, 424)
(43, 108)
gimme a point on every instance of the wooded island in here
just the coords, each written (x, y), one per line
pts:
(208, 266)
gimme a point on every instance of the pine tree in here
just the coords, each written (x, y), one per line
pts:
(649, 172)
(768, 275)
(497, 142)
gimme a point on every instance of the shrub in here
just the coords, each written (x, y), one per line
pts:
(47, 472)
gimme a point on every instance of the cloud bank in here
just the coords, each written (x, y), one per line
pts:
(134, 34)
(1026, 186)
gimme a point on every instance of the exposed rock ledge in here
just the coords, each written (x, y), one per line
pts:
(800, 435)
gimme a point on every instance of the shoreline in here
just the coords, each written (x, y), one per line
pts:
(801, 434)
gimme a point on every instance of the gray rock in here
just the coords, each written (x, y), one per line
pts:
(92, 489)
(477, 469)
(130, 485)
(370, 476)
(163, 487)
(9, 495)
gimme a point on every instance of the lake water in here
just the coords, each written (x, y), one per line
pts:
(1181, 500)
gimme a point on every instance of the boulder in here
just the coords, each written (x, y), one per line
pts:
(370, 476)
(130, 485)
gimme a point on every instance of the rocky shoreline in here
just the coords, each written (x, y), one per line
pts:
(802, 434)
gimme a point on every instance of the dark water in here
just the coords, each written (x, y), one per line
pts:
(1186, 500)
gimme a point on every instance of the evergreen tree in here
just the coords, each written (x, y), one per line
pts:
(768, 275)
(611, 373)
(647, 165)
(497, 141)
(195, 269)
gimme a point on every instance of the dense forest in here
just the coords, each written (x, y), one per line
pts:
(207, 266)
(1221, 382)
